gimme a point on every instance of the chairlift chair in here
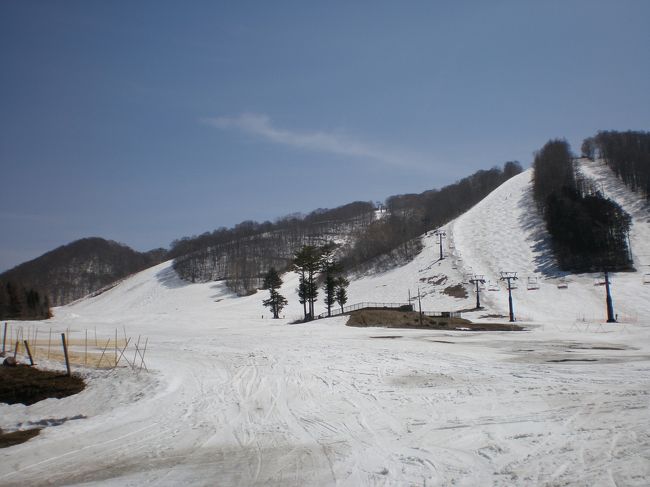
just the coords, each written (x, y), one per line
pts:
(532, 283)
(646, 278)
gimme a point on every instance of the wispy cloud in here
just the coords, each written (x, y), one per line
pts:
(260, 125)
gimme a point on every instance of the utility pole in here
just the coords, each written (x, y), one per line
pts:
(477, 281)
(440, 234)
(509, 276)
(610, 305)
(420, 306)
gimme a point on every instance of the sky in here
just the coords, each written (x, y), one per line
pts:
(147, 121)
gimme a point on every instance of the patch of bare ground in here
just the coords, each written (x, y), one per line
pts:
(389, 318)
(456, 291)
(28, 385)
(17, 437)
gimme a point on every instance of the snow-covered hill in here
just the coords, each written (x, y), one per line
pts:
(235, 398)
(504, 232)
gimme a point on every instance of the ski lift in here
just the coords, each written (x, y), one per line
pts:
(467, 277)
(493, 286)
(454, 264)
(562, 284)
(599, 281)
(532, 283)
(646, 278)
(513, 284)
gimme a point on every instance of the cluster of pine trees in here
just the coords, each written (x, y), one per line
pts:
(626, 153)
(313, 265)
(589, 232)
(20, 303)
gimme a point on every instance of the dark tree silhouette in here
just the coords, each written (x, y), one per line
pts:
(276, 302)
(588, 231)
(329, 268)
(628, 155)
(340, 292)
(307, 263)
(20, 303)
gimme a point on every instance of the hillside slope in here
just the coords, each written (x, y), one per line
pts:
(235, 398)
(505, 233)
(74, 270)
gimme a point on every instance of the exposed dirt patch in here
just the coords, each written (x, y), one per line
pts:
(456, 291)
(28, 385)
(17, 437)
(401, 319)
(436, 280)
(573, 360)
(587, 347)
(411, 319)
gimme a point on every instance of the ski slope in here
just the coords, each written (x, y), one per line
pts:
(235, 398)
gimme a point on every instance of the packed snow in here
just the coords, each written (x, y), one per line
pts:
(235, 398)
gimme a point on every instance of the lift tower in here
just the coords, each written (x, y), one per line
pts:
(509, 276)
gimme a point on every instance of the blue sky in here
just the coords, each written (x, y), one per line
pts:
(146, 121)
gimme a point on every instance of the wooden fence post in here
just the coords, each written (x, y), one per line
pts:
(35, 341)
(29, 352)
(4, 340)
(142, 364)
(65, 353)
(103, 352)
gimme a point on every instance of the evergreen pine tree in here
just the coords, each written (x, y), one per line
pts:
(276, 302)
(341, 293)
(329, 267)
(307, 264)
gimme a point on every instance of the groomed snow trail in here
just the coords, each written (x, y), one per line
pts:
(237, 399)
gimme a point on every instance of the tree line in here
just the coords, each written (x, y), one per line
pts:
(72, 271)
(20, 303)
(394, 238)
(241, 255)
(626, 153)
(588, 231)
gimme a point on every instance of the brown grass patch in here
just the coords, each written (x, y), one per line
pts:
(17, 437)
(456, 291)
(389, 318)
(401, 319)
(28, 385)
